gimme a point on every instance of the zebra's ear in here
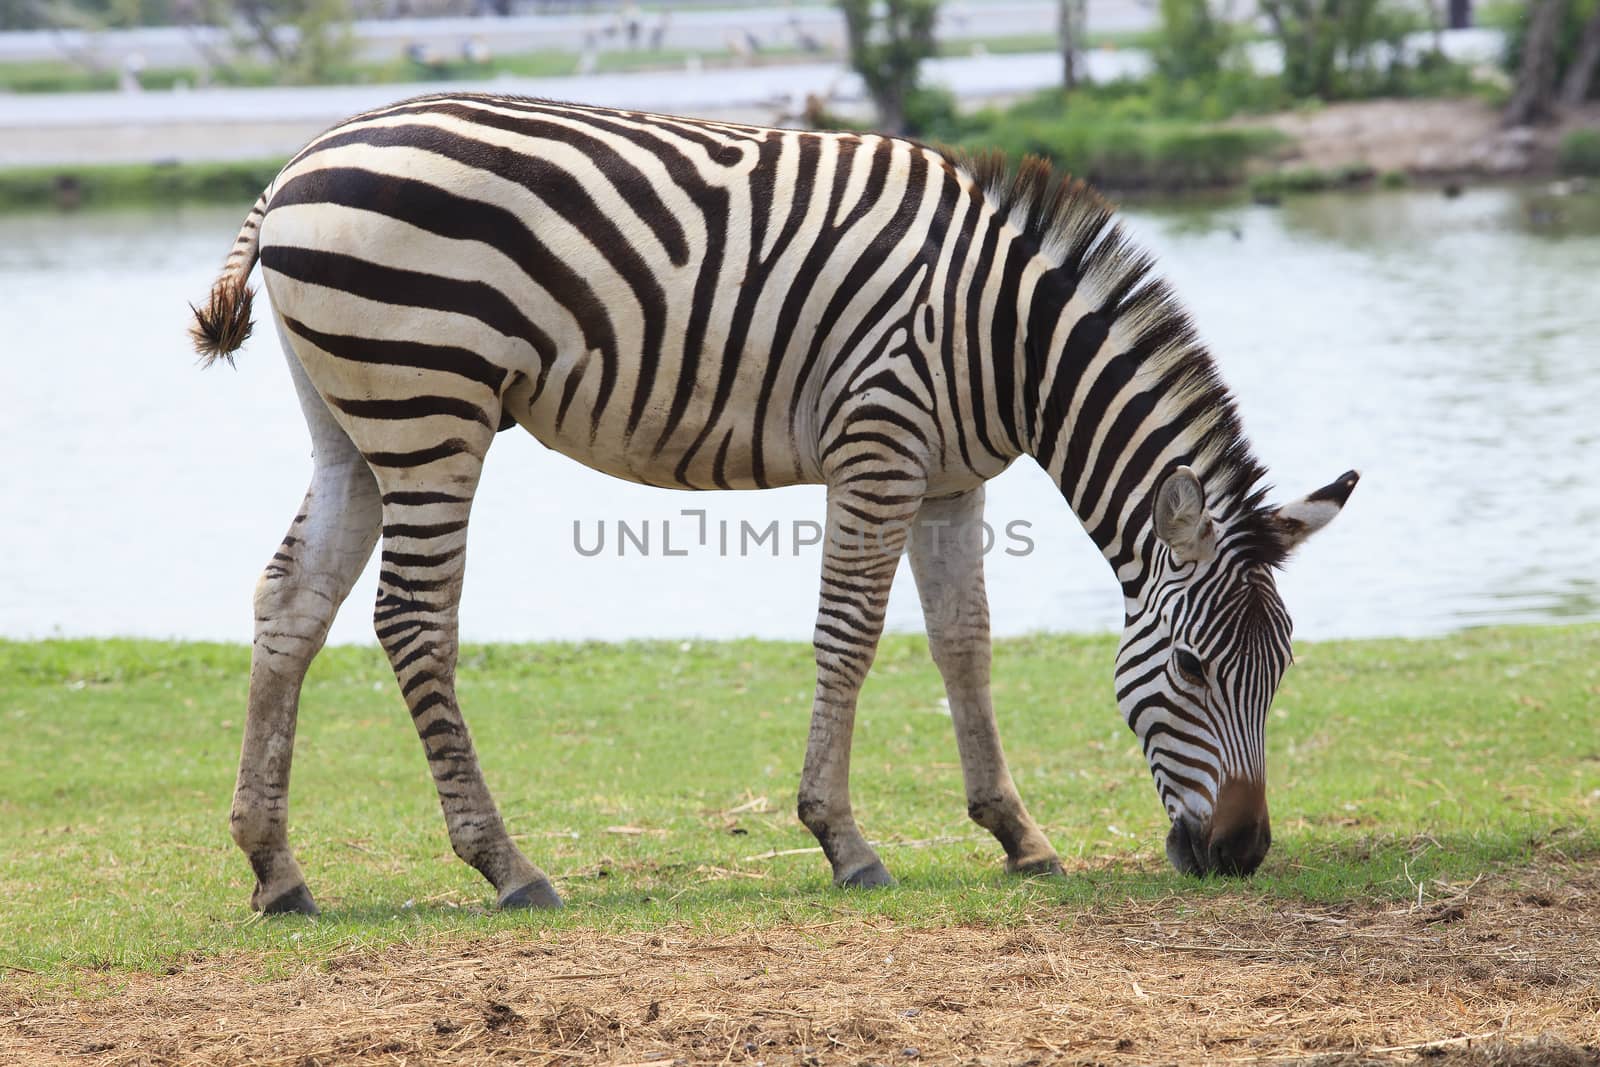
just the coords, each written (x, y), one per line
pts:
(1181, 519)
(1299, 519)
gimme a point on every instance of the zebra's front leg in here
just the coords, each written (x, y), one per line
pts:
(947, 560)
(425, 512)
(868, 522)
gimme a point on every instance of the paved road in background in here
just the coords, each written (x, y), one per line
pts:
(776, 26)
(256, 123)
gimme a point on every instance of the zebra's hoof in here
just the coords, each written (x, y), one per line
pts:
(872, 876)
(295, 901)
(1045, 867)
(538, 893)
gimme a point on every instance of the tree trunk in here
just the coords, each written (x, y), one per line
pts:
(1069, 35)
(1436, 26)
(1580, 76)
(888, 42)
(890, 104)
(1536, 79)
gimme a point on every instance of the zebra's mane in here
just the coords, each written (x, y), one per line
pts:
(1075, 229)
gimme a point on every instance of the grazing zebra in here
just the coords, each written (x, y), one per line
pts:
(704, 305)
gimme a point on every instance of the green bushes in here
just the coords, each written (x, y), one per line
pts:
(1273, 186)
(1345, 50)
(1160, 100)
(1130, 135)
(933, 113)
(1194, 44)
(1579, 153)
(1134, 155)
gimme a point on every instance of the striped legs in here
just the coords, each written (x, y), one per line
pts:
(868, 522)
(426, 500)
(947, 560)
(319, 560)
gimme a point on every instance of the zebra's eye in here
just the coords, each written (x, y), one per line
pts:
(1189, 666)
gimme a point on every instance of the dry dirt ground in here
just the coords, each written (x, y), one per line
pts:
(1441, 138)
(1506, 971)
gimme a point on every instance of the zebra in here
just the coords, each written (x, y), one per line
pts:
(706, 305)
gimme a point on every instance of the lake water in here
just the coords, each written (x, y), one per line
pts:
(1449, 349)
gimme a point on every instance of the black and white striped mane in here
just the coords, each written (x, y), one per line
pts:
(1076, 228)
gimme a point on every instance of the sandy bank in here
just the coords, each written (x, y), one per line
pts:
(1423, 138)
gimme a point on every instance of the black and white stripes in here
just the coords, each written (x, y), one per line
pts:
(703, 305)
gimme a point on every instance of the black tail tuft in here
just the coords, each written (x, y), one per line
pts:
(224, 323)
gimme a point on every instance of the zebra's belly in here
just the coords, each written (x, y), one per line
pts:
(702, 445)
(718, 451)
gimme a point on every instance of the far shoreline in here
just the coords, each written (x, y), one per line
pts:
(1435, 143)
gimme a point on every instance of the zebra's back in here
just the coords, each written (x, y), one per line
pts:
(671, 301)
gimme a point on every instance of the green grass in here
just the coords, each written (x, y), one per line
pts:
(53, 76)
(1046, 42)
(1579, 153)
(111, 184)
(1391, 763)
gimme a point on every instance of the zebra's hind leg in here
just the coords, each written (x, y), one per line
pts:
(947, 560)
(309, 576)
(427, 498)
(868, 520)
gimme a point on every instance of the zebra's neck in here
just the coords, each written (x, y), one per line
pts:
(1118, 391)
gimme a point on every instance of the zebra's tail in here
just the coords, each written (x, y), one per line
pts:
(224, 324)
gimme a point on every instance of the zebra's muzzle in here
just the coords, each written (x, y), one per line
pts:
(1240, 850)
(1192, 849)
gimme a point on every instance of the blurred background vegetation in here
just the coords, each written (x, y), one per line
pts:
(1173, 129)
(1182, 121)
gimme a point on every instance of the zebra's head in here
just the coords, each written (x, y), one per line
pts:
(1205, 645)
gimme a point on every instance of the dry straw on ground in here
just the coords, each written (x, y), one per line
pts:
(1504, 971)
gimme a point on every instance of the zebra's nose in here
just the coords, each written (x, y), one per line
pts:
(1241, 832)
(1240, 850)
